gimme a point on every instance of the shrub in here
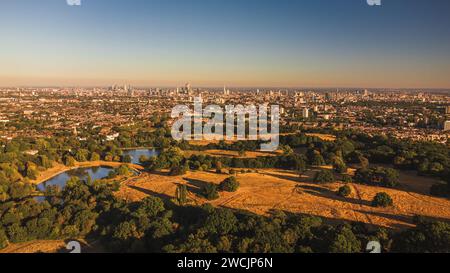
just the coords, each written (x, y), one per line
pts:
(340, 168)
(3, 239)
(126, 159)
(324, 177)
(383, 200)
(230, 184)
(347, 179)
(345, 241)
(210, 191)
(95, 157)
(379, 176)
(221, 221)
(178, 170)
(344, 191)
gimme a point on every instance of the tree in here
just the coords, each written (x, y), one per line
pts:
(230, 184)
(3, 239)
(221, 222)
(324, 176)
(176, 170)
(390, 178)
(345, 241)
(17, 233)
(219, 167)
(81, 155)
(340, 167)
(382, 199)
(347, 179)
(426, 237)
(126, 159)
(300, 166)
(287, 150)
(344, 191)
(210, 191)
(379, 176)
(69, 161)
(364, 162)
(317, 159)
(125, 231)
(95, 157)
(181, 194)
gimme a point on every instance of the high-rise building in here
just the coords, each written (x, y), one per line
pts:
(446, 126)
(305, 113)
(447, 110)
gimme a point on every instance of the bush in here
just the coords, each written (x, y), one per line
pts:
(383, 200)
(3, 239)
(344, 191)
(126, 159)
(385, 177)
(340, 167)
(347, 179)
(210, 191)
(221, 221)
(345, 241)
(95, 157)
(230, 184)
(324, 177)
(178, 170)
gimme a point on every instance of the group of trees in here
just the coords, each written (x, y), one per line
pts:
(385, 177)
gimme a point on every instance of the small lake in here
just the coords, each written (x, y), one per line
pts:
(95, 173)
(137, 153)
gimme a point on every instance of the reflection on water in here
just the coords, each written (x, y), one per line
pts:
(83, 173)
(95, 173)
(136, 154)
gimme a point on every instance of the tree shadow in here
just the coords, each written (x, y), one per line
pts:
(326, 193)
(403, 218)
(195, 186)
(166, 198)
(296, 178)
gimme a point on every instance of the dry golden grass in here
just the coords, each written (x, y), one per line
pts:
(269, 190)
(227, 153)
(50, 246)
(323, 137)
(35, 247)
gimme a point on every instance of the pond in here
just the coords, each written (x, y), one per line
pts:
(135, 154)
(94, 172)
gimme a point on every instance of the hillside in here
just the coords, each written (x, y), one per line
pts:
(271, 190)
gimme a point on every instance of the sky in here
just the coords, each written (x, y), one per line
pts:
(257, 43)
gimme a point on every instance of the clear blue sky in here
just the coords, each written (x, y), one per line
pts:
(301, 43)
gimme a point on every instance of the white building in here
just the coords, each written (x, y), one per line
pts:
(446, 126)
(305, 113)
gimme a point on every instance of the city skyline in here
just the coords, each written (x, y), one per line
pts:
(289, 44)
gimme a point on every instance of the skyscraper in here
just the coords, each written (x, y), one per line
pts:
(305, 113)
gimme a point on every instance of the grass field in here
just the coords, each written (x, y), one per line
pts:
(270, 190)
(226, 153)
